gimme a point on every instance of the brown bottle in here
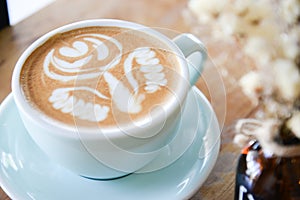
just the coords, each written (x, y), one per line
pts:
(263, 176)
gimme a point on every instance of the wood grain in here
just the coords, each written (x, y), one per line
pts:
(219, 83)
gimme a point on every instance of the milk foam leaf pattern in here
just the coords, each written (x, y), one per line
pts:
(121, 95)
(79, 49)
(88, 57)
(149, 66)
(74, 67)
(63, 100)
(102, 50)
(81, 53)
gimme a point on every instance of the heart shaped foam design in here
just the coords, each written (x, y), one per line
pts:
(79, 49)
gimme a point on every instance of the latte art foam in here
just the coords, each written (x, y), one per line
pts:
(99, 75)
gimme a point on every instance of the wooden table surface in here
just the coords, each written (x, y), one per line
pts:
(219, 81)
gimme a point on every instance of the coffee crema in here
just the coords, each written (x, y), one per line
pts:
(100, 76)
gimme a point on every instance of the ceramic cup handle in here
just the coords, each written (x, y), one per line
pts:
(189, 45)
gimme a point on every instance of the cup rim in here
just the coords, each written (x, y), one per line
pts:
(63, 129)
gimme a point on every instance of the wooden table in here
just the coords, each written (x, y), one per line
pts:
(219, 81)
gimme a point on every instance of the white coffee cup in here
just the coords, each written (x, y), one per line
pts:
(111, 152)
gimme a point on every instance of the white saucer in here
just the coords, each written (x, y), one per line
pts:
(26, 173)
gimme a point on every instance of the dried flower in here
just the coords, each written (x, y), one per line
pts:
(269, 32)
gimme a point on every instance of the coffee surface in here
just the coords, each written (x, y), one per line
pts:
(100, 76)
